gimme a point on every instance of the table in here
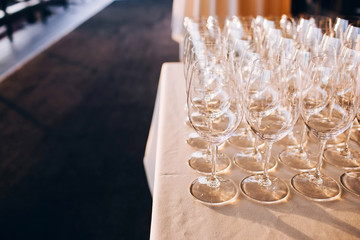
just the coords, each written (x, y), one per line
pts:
(177, 215)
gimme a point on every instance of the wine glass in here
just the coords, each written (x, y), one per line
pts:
(297, 157)
(343, 155)
(302, 28)
(233, 31)
(352, 41)
(288, 26)
(194, 32)
(200, 160)
(248, 157)
(351, 180)
(348, 54)
(193, 139)
(199, 40)
(351, 38)
(319, 27)
(331, 45)
(214, 93)
(328, 108)
(271, 109)
(340, 27)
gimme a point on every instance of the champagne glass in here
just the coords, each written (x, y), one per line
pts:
(271, 109)
(214, 93)
(328, 108)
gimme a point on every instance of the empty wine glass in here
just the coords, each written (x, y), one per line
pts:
(233, 31)
(248, 157)
(351, 38)
(214, 93)
(351, 180)
(343, 155)
(331, 45)
(319, 26)
(193, 139)
(297, 157)
(328, 108)
(195, 34)
(340, 27)
(271, 109)
(200, 160)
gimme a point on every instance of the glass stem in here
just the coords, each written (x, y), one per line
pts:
(268, 147)
(213, 150)
(346, 146)
(320, 160)
(303, 135)
(214, 181)
(331, 109)
(256, 145)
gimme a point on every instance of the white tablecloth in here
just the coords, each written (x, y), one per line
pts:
(177, 215)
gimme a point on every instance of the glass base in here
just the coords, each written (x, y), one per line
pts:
(195, 141)
(247, 161)
(256, 188)
(200, 161)
(243, 139)
(351, 182)
(297, 160)
(322, 188)
(212, 191)
(336, 158)
(339, 140)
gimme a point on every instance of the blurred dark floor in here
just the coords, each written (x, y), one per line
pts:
(30, 39)
(73, 127)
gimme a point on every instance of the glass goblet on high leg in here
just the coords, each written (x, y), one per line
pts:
(328, 109)
(213, 92)
(271, 109)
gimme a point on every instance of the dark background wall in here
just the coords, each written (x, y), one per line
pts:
(73, 127)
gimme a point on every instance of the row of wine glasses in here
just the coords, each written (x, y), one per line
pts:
(265, 72)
